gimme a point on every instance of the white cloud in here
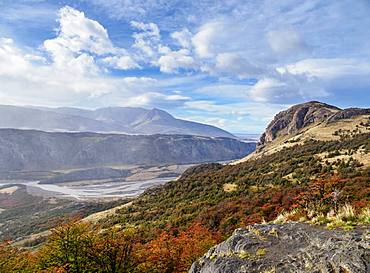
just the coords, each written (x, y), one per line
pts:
(272, 90)
(328, 69)
(151, 49)
(121, 62)
(150, 29)
(183, 37)
(235, 65)
(78, 33)
(204, 40)
(147, 39)
(81, 42)
(11, 60)
(27, 82)
(287, 89)
(286, 41)
(174, 60)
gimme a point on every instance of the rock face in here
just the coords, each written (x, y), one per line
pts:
(348, 113)
(295, 118)
(28, 150)
(299, 116)
(290, 247)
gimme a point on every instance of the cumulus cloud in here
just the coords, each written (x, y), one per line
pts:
(80, 41)
(150, 47)
(26, 81)
(121, 62)
(78, 33)
(183, 37)
(147, 39)
(17, 71)
(11, 60)
(172, 61)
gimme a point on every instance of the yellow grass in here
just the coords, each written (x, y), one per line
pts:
(317, 131)
(9, 190)
(104, 214)
(230, 187)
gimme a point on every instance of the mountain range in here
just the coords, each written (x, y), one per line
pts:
(31, 150)
(126, 120)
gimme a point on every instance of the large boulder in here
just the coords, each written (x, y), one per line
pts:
(290, 247)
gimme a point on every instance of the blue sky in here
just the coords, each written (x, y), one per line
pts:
(233, 63)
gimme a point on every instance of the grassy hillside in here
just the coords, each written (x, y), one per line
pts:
(323, 131)
(224, 197)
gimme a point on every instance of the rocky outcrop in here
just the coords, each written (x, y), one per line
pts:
(348, 113)
(290, 121)
(290, 247)
(295, 118)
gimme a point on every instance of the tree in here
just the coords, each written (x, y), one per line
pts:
(114, 251)
(69, 249)
(79, 247)
(173, 252)
(14, 260)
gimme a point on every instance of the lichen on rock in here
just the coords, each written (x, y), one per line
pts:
(289, 247)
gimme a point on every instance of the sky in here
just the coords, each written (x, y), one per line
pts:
(233, 64)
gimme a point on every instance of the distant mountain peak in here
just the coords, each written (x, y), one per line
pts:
(158, 113)
(125, 120)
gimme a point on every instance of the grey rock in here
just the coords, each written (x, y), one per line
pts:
(290, 247)
(348, 113)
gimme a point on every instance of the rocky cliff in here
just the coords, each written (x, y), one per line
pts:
(290, 121)
(290, 247)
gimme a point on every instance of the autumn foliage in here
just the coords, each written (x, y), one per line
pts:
(174, 251)
(78, 247)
